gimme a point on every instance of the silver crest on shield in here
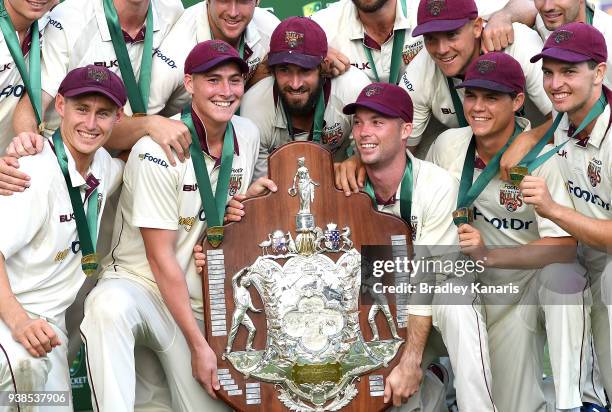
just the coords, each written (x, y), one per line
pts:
(314, 348)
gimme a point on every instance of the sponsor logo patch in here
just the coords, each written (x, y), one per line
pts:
(510, 197)
(594, 172)
(156, 160)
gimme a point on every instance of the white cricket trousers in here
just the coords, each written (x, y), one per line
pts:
(119, 315)
(47, 373)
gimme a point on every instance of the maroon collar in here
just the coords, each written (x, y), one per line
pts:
(92, 184)
(582, 139)
(140, 36)
(27, 42)
(201, 132)
(247, 52)
(371, 43)
(382, 202)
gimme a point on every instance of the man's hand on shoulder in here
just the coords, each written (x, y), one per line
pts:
(171, 135)
(350, 175)
(235, 209)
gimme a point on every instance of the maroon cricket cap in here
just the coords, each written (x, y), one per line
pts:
(94, 79)
(385, 98)
(443, 15)
(495, 71)
(211, 53)
(298, 40)
(575, 43)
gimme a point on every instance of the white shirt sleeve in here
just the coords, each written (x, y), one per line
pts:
(154, 183)
(417, 82)
(55, 54)
(23, 214)
(551, 172)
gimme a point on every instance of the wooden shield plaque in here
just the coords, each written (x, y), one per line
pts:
(283, 308)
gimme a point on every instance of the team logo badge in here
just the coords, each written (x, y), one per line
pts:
(98, 75)
(411, 51)
(373, 91)
(485, 66)
(294, 39)
(594, 172)
(435, 6)
(332, 135)
(563, 36)
(235, 183)
(219, 46)
(510, 197)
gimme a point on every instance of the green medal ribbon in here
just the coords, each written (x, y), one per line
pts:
(31, 77)
(532, 161)
(317, 123)
(589, 15)
(399, 37)
(458, 106)
(214, 205)
(138, 92)
(469, 190)
(87, 225)
(405, 193)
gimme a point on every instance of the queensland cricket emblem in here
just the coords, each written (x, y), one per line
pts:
(294, 39)
(315, 350)
(219, 46)
(594, 172)
(373, 91)
(96, 74)
(563, 36)
(485, 66)
(435, 7)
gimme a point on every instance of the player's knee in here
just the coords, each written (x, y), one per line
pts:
(562, 278)
(30, 373)
(109, 306)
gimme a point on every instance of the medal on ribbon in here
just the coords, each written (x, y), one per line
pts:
(213, 204)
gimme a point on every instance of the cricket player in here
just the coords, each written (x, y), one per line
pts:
(452, 37)
(382, 124)
(150, 281)
(297, 102)
(49, 233)
(121, 35)
(574, 64)
(503, 229)
(376, 34)
(17, 47)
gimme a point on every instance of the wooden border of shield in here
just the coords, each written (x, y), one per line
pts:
(240, 248)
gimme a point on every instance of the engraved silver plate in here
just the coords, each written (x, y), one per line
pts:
(312, 311)
(230, 387)
(253, 401)
(377, 393)
(235, 392)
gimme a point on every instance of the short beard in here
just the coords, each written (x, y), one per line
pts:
(306, 108)
(371, 8)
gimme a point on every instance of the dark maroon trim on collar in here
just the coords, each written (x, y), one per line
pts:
(201, 132)
(247, 52)
(373, 44)
(139, 36)
(479, 163)
(583, 140)
(382, 202)
(27, 42)
(92, 184)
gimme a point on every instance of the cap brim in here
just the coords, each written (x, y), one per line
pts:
(289, 57)
(244, 67)
(435, 26)
(352, 108)
(92, 89)
(486, 84)
(561, 54)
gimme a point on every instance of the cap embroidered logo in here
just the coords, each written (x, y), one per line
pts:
(219, 46)
(563, 36)
(97, 74)
(294, 38)
(373, 91)
(435, 6)
(485, 66)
